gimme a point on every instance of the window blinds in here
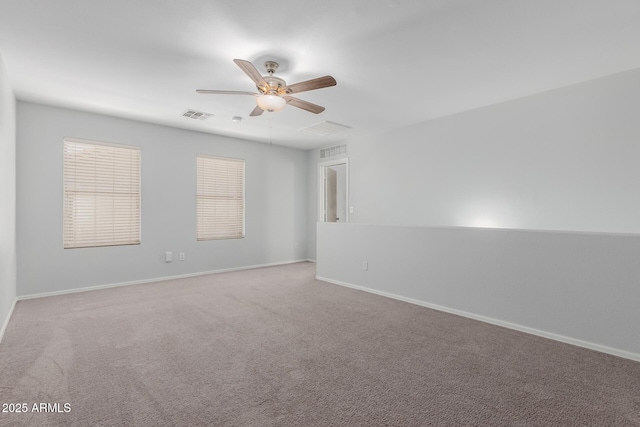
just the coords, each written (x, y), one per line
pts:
(220, 198)
(101, 194)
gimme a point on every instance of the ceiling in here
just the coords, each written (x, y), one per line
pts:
(397, 62)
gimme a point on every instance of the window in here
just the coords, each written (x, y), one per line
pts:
(101, 194)
(220, 198)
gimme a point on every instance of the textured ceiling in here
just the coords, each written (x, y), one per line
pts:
(397, 62)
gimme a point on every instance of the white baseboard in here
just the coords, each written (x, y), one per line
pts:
(514, 326)
(6, 321)
(154, 279)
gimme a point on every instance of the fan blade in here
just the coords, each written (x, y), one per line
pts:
(256, 112)
(251, 71)
(226, 92)
(313, 108)
(312, 84)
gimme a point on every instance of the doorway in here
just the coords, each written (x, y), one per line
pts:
(334, 197)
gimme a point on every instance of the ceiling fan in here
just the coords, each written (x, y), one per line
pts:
(274, 93)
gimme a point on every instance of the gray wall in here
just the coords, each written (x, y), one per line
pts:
(561, 160)
(7, 196)
(276, 203)
(313, 204)
(580, 288)
(313, 157)
(566, 159)
(341, 196)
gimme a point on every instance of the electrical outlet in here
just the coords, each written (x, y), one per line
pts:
(365, 265)
(181, 256)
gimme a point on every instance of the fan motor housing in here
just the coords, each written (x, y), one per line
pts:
(275, 84)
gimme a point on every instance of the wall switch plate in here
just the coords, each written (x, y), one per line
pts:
(168, 256)
(350, 209)
(181, 256)
(365, 265)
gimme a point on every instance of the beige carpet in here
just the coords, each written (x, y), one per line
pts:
(275, 347)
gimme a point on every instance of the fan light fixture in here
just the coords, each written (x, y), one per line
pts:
(271, 103)
(275, 94)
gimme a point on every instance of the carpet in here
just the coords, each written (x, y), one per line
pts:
(276, 347)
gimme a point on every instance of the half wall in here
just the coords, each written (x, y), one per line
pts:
(579, 288)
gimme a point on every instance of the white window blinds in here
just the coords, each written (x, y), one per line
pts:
(220, 198)
(101, 194)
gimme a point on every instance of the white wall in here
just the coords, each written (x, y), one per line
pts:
(580, 288)
(276, 221)
(7, 197)
(561, 160)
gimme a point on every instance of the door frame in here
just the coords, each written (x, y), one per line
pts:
(321, 196)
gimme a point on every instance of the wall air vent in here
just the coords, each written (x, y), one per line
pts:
(338, 150)
(324, 128)
(197, 115)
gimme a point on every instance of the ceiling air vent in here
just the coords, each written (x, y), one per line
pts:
(197, 115)
(338, 150)
(324, 128)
